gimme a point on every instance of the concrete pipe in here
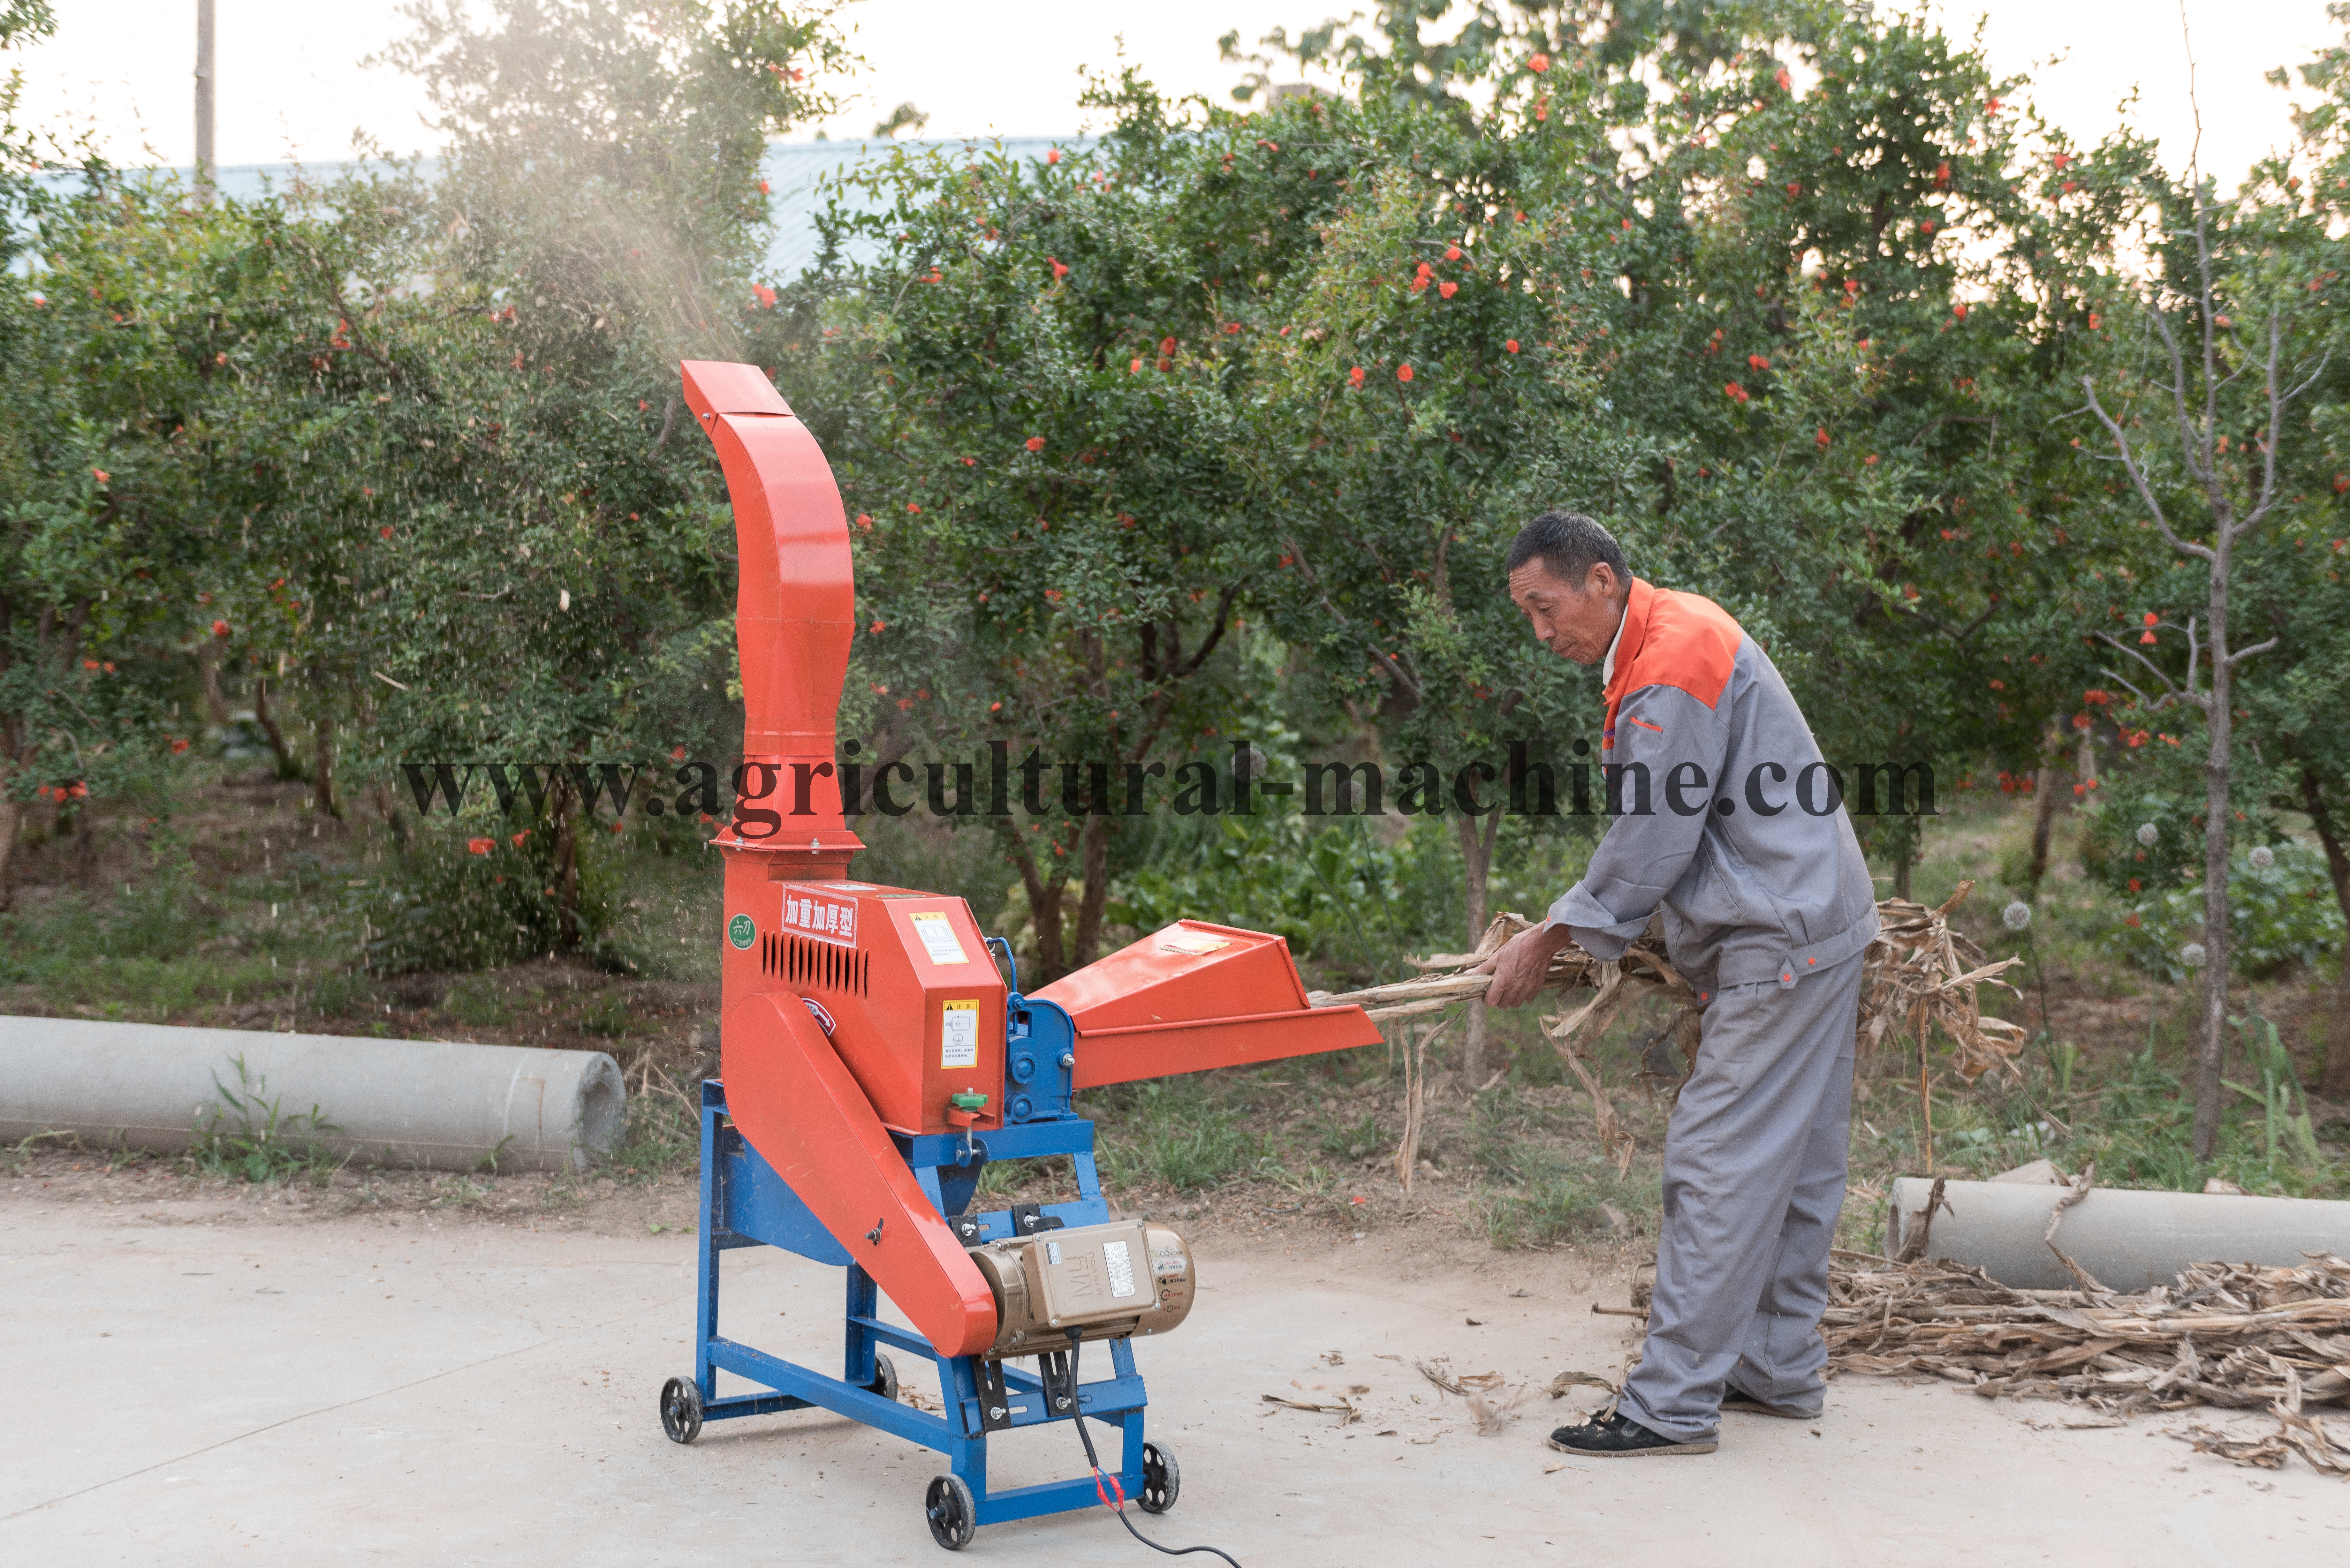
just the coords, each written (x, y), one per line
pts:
(434, 1104)
(2127, 1240)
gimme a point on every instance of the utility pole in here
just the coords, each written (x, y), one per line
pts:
(204, 99)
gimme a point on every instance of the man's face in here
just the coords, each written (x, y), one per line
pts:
(1574, 622)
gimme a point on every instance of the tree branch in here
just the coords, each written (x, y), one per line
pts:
(2137, 473)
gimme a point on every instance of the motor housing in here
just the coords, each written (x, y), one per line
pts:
(1107, 1280)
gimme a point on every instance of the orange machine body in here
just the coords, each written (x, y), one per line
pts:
(860, 1022)
(909, 996)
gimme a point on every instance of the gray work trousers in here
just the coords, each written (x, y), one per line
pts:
(1754, 1169)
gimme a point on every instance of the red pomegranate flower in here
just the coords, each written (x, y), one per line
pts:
(1035, 443)
(481, 845)
(1511, 346)
(1403, 372)
(1538, 64)
(1356, 375)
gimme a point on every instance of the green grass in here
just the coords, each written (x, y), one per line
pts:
(663, 1135)
(1174, 1132)
(250, 1133)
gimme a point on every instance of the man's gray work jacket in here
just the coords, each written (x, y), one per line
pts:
(1725, 812)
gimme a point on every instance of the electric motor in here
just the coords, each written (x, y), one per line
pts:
(1106, 1281)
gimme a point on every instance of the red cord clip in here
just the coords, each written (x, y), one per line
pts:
(1099, 1478)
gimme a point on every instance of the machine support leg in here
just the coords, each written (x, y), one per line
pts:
(706, 1272)
(864, 1299)
(966, 1450)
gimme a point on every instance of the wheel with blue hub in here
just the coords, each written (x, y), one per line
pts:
(680, 1409)
(954, 1518)
(1161, 1480)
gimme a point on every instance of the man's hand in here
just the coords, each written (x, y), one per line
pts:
(1519, 968)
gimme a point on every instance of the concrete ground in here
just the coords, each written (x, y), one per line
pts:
(192, 1387)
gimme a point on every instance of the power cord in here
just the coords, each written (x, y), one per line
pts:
(1119, 1507)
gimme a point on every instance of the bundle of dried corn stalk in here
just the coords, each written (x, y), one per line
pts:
(1918, 975)
(2230, 1334)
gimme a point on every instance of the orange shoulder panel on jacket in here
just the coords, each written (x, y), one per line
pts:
(1688, 642)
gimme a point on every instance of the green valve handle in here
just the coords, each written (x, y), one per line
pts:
(968, 1101)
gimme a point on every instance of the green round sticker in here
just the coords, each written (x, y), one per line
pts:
(741, 931)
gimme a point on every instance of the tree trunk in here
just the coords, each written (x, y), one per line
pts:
(208, 677)
(2046, 798)
(322, 766)
(1477, 857)
(85, 836)
(2334, 1080)
(389, 805)
(9, 818)
(2216, 771)
(1044, 911)
(1096, 872)
(289, 766)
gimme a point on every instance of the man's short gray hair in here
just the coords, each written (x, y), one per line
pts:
(1568, 545)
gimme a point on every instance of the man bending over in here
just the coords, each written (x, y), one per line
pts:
(1725, 816)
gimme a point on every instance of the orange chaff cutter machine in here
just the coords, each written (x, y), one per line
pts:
(873, 1061)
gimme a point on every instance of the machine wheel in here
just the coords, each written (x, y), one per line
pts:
(885, 1378)
(680, 1409)
(954, 1518)
(1162, 1479)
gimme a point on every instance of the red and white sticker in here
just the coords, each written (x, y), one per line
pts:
(820, 917)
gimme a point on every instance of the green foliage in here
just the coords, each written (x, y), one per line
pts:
(1321, 891)
(447, 900)
(249, 1134)
(2282, 1127)
(2279, 915)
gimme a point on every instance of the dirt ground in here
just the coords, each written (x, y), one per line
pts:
(254, 1374)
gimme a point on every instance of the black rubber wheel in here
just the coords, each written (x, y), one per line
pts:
(1162, 1479)
(954, 1518)
(680, 1409)
(885, 1378)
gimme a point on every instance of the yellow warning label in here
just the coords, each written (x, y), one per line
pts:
(959, 1034)
(938, 936)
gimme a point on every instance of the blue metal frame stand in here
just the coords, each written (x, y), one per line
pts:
(746, 1204)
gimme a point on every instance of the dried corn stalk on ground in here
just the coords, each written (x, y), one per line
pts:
(1918, 976)
(2229, 1335)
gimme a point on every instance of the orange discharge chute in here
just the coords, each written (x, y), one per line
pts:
(792, 1098)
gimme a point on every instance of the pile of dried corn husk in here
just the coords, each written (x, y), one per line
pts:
(1918, 975)
(2230, 1334)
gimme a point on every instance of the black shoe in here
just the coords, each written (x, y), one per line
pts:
(1620, 1437)
(1733, 1398)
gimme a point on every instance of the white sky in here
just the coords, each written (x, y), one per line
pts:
(290, 86)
